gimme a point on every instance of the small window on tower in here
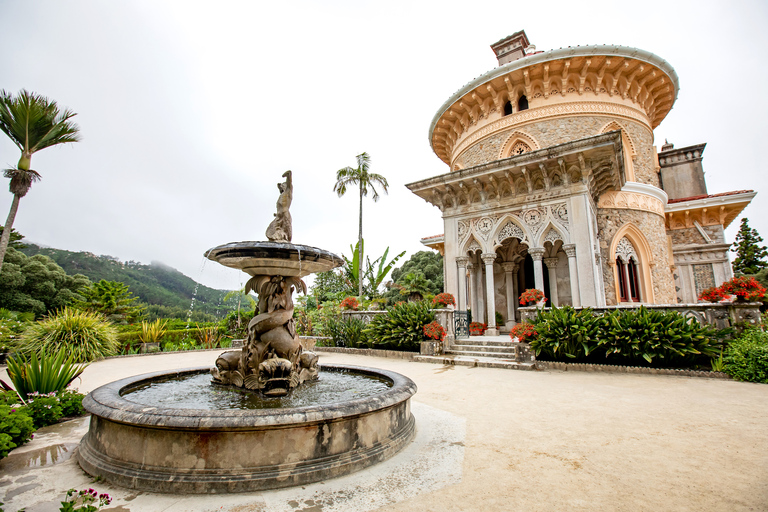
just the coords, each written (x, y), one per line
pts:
(522, 103)
(507, 108)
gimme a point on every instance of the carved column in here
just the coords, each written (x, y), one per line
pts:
(510, 279)
(627, 286)
(570, 250)
(488, 259)
(472, 302)
(551, 264)
(537, 253)
(461, 300)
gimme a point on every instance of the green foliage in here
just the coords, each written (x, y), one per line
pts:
(85, 336)
(623, 336)
(427, 263)
(208, 336)
(71, 403)
(350, 333)
(402, 327)
(16, 427)
(86, 500)
(331, 285)
(12, 324)
(44, 374)
(152, 332)
(37, 284)
(373, 273)
(746, 358)
(111, 299)
(45, 409)
(16, 239)
(166, 292)
(750, 254)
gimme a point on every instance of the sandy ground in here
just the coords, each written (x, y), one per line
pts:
(487, 439)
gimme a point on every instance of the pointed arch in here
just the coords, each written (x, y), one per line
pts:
(471, 245)
(551, 233)
(644, 254)
(517, 141)
(510, 227)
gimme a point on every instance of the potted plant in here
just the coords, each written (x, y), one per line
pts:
(350, 304)
(444, 300)
(433, 331)
(531, 297)
(523, 332)
(477, 328)
(150, 335)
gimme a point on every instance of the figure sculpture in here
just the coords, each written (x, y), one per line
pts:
(280, 229)
(272, 359)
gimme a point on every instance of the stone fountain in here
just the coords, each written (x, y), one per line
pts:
(153, 446)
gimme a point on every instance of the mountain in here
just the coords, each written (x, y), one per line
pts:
(168, 291)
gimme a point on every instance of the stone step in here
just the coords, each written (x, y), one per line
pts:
(484, 343)
(483, 348)
(474, 353)
(481, 362)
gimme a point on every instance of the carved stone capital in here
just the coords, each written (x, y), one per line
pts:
(461, 261)
(570, 250)
(551, 262)
(510, 266)
(488, 257)
(537, 253)
(471, 266)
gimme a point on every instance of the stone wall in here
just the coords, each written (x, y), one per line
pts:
(609, 221)
(691, 236)
(551, 132)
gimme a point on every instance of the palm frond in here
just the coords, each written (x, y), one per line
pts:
(21, 180)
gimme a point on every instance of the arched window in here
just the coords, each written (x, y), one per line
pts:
(522, 103)
(627, 272)
(507, 108)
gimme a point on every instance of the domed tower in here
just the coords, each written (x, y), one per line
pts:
(554, 182)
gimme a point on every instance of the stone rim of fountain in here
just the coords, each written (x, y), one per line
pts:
(274, 258)
(108, 402)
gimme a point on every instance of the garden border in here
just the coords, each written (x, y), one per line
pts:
(609, 368)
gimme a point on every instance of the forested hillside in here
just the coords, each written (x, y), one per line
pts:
(168, 292)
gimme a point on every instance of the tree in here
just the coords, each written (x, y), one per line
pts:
(33, 123)
(15, 240)
(37, 284)
(112, 299)
(750, 254)
(427, 263)
(329, 285)
(372, 274)
(365, 180)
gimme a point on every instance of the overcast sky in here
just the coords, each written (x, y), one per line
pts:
(191, 111)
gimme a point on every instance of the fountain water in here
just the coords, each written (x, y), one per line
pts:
(144, 445)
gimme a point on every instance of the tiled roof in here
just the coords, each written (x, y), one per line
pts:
(434, 236)
(705, 196)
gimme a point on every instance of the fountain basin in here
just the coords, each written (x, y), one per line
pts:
(215, 451)
(274, 258)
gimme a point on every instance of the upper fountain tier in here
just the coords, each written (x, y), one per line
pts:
(274, 258)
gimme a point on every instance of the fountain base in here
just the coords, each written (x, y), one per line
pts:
(169, 450)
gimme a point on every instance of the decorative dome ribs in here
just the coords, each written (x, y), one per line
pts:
(596, 76)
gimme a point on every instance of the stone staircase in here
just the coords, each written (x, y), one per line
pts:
(486, 352)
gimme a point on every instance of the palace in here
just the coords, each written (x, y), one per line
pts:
(554, 183)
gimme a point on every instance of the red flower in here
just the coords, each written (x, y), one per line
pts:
(350, 303)
(477, 328)
(435, 331)
(523, 332)
(444, 299)
(531, 295)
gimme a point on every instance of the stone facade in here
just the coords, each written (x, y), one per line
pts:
(652, 226)
(690, 236)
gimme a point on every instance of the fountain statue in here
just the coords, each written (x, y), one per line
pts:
(272, 359)
(147, 436)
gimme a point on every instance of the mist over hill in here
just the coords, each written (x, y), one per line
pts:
(165, 289)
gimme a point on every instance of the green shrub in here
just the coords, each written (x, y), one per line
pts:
(16, 428)
(71, 403)
(85, 336)
(656, 335)
(45, 409)
(351, 333)
(44, 373)
(566, 332)
(402, 327)
(152, 332)
(628, 336)
(746, 358)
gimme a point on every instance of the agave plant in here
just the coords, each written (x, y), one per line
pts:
(43, 373)
(208, 337)
(152, 332)
(85, 336)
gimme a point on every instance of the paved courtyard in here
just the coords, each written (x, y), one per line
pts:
(487, 439)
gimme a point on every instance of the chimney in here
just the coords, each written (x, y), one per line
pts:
(511, 48)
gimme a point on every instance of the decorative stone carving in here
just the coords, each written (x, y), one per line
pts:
(630, 201)
(552, 236)
(484, 227)
(462, 229)
(510, 266)
(570, 250)
(488, 257)
(532, 217)
(511, 230)
(280, 229)
(537, 253)
(560, 212)
(625, 250)
(462, 261)
(551, 262)
(474, 246)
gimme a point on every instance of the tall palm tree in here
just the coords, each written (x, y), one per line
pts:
(33, 122)
(365, 180)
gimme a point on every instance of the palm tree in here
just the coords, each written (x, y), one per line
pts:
(33, 122)
(365, 180)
